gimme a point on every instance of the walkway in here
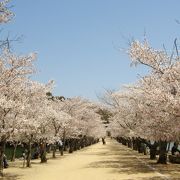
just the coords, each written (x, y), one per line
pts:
(98, 162)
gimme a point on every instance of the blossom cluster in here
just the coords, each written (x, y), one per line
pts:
(28, 112)
(149, 108)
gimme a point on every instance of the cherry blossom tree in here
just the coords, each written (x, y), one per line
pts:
(13, 73)
(58, 120)
(161, 88)
(26, 112)
(35, 126)
(5, 14)
(149, 108)
(85, 119)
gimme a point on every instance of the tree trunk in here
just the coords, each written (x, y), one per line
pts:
(82, 142)
(43, 152)
(153, 150)
(54, 150)
(29, 152)
(71, 146)
(2, 150)
(129, 143)
(75, 145)
(14, 151)
(169, 145)
(145, 149)
(134, 144)
(139, 145)
(63, 142)
(162, 153)
(78, 144)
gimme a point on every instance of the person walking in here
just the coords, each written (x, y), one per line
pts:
(5, 164)
(103, 141)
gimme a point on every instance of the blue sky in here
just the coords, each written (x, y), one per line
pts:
(77, 41)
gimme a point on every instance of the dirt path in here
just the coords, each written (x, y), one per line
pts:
(98, 162)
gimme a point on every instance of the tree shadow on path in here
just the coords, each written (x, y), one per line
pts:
(9, 176)
(119, 159)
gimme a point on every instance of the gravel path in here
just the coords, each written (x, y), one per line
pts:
(98, 162)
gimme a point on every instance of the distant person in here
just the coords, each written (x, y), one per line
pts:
(24, 154)
(5, 164)
(36, 153)
(60, 144)
(175, 149)
(103, 141)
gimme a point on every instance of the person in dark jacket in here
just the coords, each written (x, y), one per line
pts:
(5, 161)
(103, 141)
(175, 149)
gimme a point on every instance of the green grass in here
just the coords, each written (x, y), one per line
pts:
(19, 152)
(9, 151)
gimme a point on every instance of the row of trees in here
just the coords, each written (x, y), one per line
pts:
(148, 110)
(29, 114)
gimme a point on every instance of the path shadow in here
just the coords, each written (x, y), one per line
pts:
(123, 166)
(122, 160)
(10, 176)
